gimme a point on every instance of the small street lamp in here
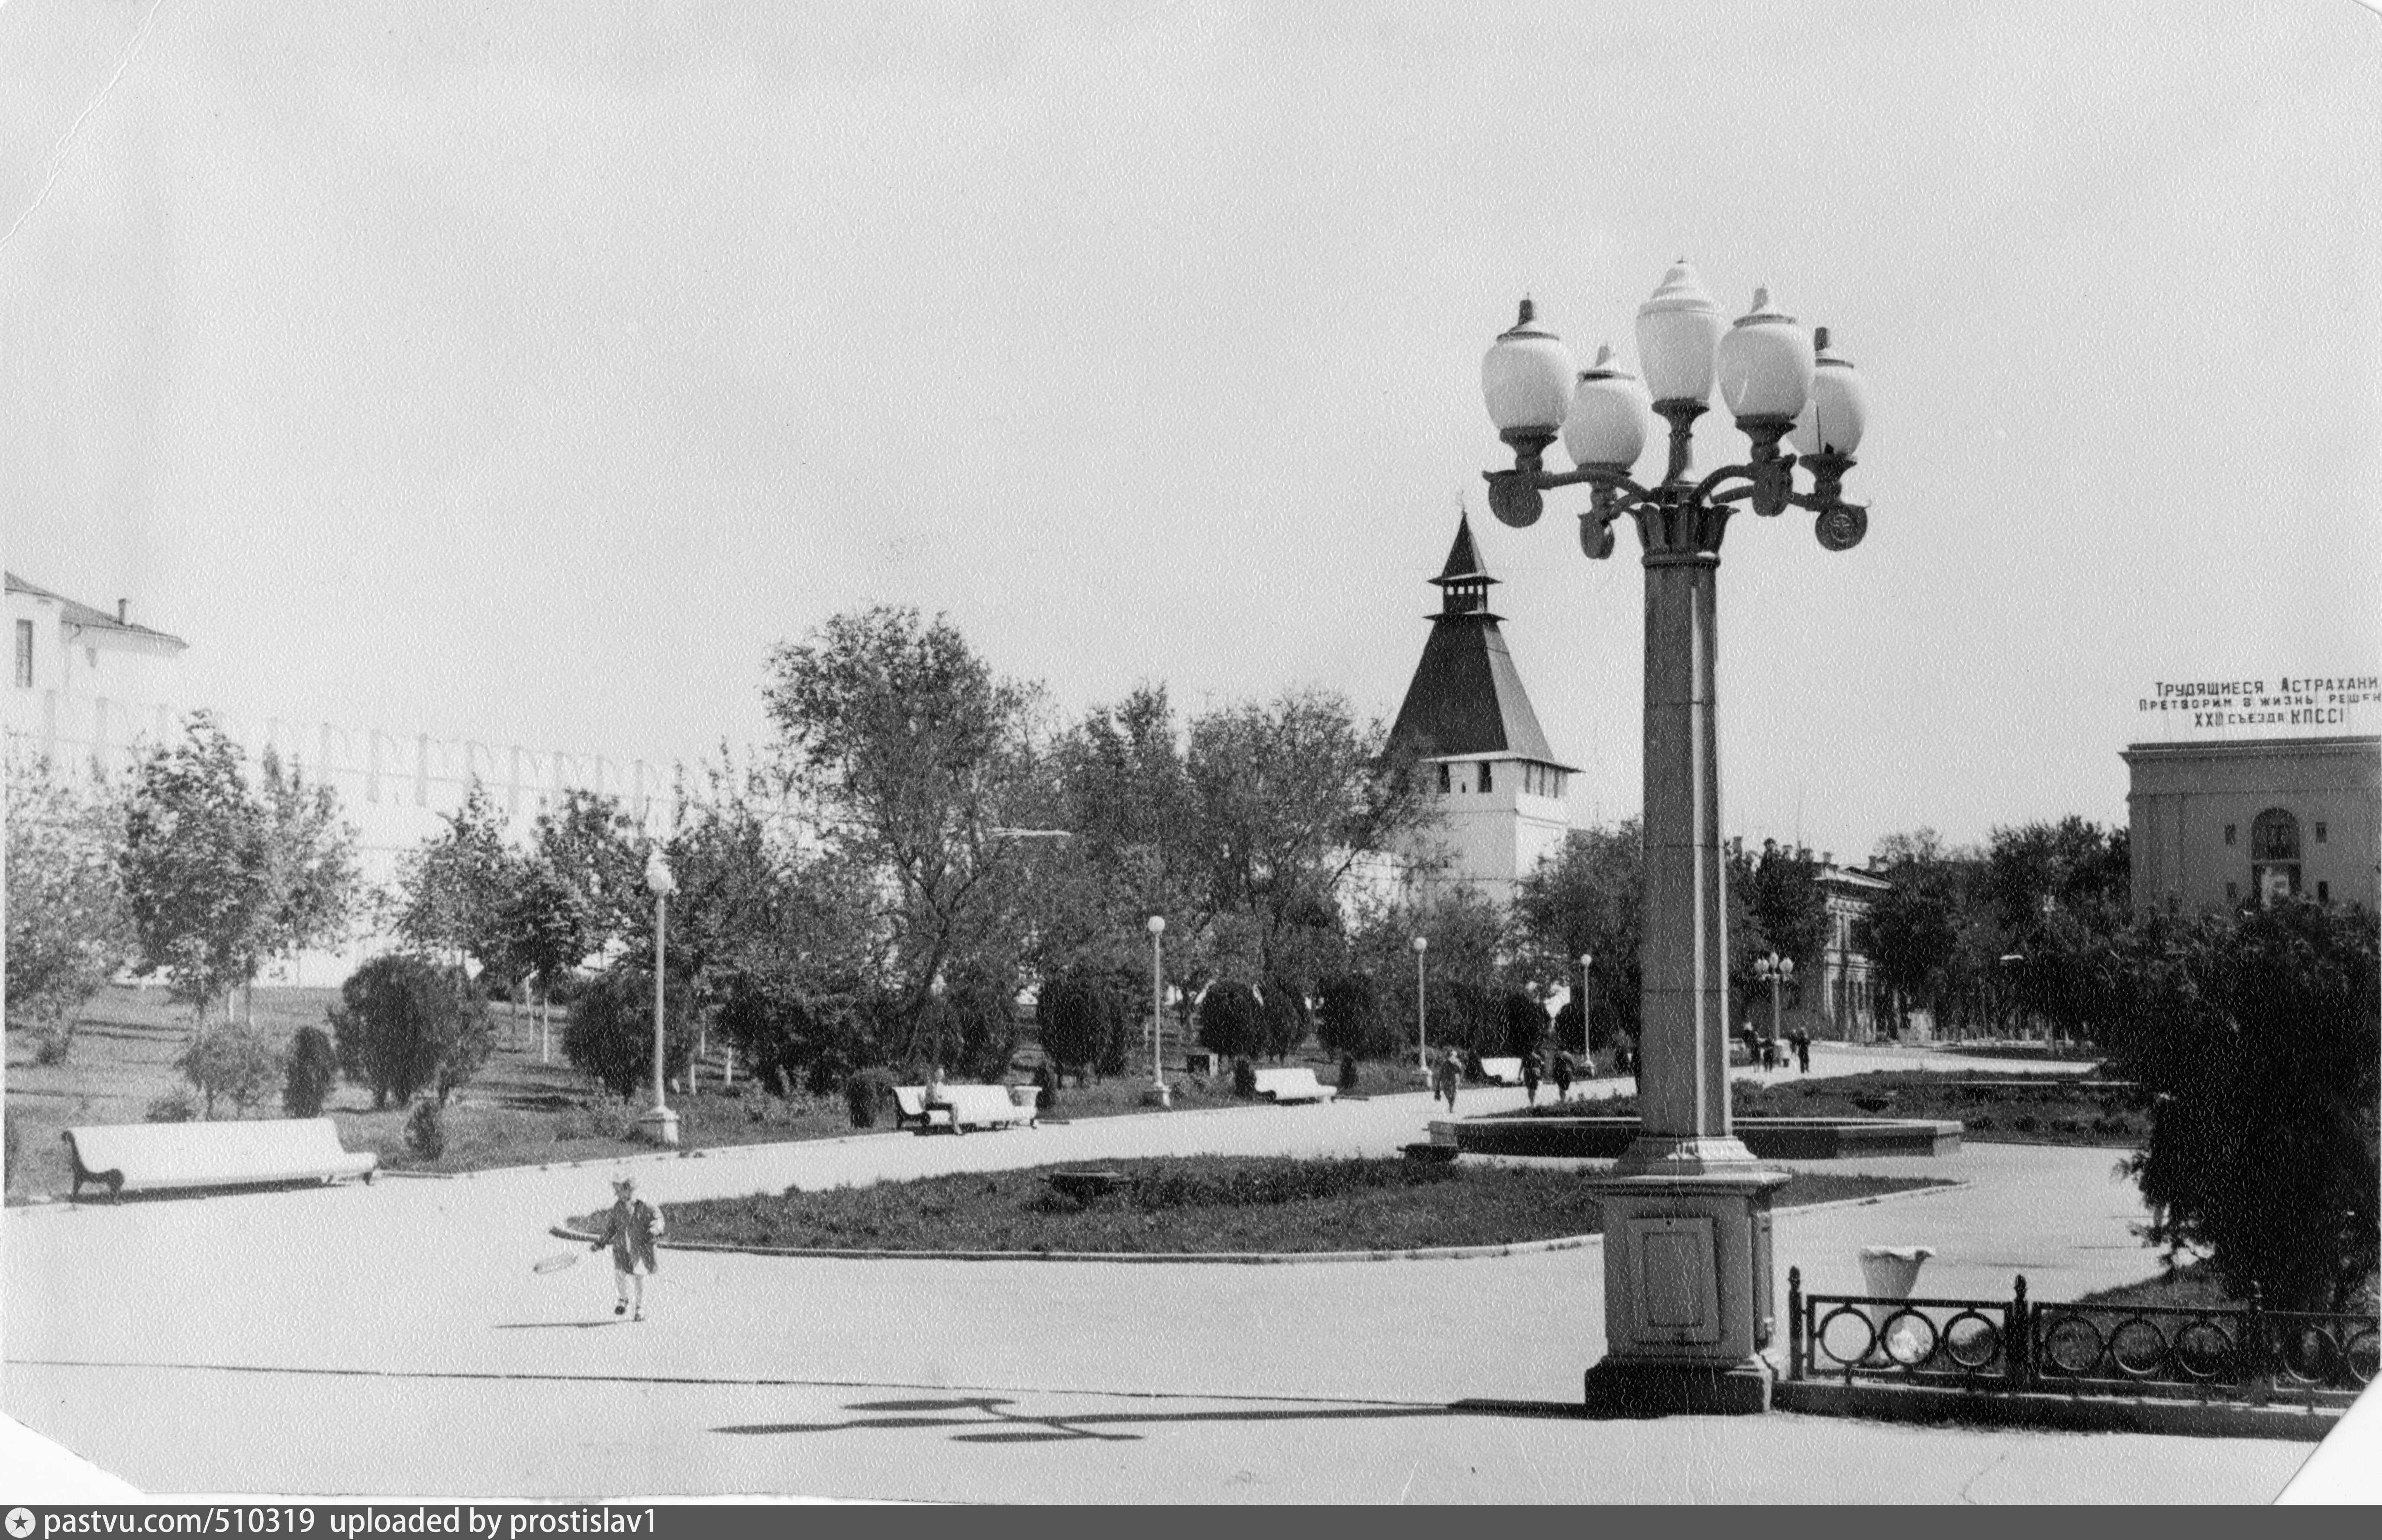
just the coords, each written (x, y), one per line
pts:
(1778, 970)
(1159, 1093)
(661, 1122)
(1422, 1042)
(1587, 1039)
(1685, 1321)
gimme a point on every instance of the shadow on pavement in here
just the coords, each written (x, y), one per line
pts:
(994, 1423)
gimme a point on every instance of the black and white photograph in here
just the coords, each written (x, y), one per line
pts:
(1183, 752)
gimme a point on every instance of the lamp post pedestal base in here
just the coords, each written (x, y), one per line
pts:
(1157, 1094)
(659, 1125)
(1687, 1294)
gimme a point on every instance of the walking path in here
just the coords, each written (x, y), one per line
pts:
(303, 1342)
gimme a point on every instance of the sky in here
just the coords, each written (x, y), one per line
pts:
(526, 373)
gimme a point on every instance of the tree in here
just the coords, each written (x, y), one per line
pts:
(68, 929)
(1526, 1023)
(1586, 898)
(545, 926)
(2074, 865)
(404, 1025)
(971, 1029)
(1350, 1020)
(312, 880)
(456, 885)
(597, 853)
(918, 757)
(1125, 793)
(1228, 1020)
(2256, 1036)
(1287, 798)
(771, 1027)
(1463, 967)
(611, 1031)
(197, 865)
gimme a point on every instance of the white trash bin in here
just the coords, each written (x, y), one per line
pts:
(1891, 1273)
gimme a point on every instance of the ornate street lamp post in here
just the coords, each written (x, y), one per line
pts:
(1778, 970)
(1158, 1095)
(1687, 1294)
(1422, 1038)
(661, 1124)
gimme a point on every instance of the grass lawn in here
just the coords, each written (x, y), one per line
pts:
(1196, 1204)
(516, 1112)
(2009, 1109)
(2193, 1286)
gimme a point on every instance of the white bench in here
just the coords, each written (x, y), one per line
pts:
(1503, 1072)
(960, 1108)
(1294, 1085)
(146, 1156)
(909, 1107)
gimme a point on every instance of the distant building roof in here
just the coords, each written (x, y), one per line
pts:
(83, 616)
(1467, 696)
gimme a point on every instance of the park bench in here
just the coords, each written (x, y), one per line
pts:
(1502, 1072)
(1292, 1085)
(239, 1153)
(960, 1108)
(910, 1110)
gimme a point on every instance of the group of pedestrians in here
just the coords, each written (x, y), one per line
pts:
(1561, 1067)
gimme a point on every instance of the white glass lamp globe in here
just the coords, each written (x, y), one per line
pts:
(1422, 944)
(1527, 378)
(1158, 925)
(1609, 413)
(658, 876)
(1765, 362)
(1677, 329)
(1839, 410)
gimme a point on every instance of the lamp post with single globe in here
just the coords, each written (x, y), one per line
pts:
(661, 1123)
(1687, 1210)
(1778, 970)
(1422, 1039)
(1159, 1093)
(1587, 1037)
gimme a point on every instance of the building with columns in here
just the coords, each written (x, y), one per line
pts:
(1501, 789)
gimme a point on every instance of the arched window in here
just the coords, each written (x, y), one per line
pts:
(2274, 854)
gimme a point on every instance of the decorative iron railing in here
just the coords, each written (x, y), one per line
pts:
(2234, 1354)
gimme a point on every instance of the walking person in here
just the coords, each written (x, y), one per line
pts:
(631, 1230)
(1530, 1077)
(1802, 1041)
(1444, 1077)
(1564, 1070)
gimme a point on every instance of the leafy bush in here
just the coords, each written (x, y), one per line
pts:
(1244, 1080)
(1228, 1019)
(1283, 1021)
(1046, 1087)
(175, 1106)
(772, 1029)
(234, 1061)
(425, 1132)
(601, 1116)
(312, 1066)
(1347, 1073)
(1082, 1020)
(864, 1092)
(611, 1031)
(404, 1025)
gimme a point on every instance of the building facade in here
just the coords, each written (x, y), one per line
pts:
(2214, 825)
(1501, 789)
(69, 657)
